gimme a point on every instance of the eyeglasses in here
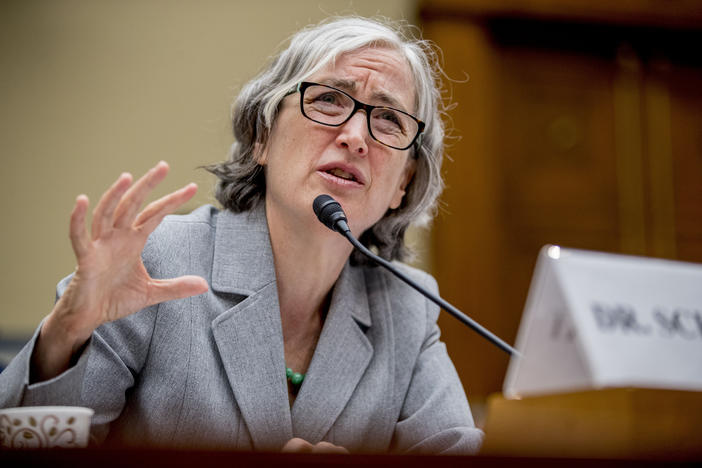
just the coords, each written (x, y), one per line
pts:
(330, 106)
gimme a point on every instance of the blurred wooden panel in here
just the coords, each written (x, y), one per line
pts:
(614, 423)
(586, 135)
(658, 143)
(669, 13)
(558, 167)
(536, 164)
(470, 206)
(685, 86)
(629, 151)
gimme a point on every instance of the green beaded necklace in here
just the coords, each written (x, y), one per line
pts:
(294, 378)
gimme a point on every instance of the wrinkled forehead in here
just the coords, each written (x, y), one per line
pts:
(381, 75)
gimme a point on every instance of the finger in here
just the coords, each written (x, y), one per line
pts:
(297, 445)
(102, 216)
(155, 211)
(77, 230)
(326, 447)
(175, 288)
(133, 199)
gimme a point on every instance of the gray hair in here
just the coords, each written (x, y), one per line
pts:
(242, 184)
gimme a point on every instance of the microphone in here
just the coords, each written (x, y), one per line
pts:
(331, 214)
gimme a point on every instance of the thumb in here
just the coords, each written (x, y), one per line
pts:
(163, 290)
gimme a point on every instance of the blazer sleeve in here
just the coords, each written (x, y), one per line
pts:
(435, 416)
(102, 374)
(14, 380)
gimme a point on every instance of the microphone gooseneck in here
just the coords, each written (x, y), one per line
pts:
(331, 214)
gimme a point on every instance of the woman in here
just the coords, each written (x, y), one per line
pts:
(256, 327)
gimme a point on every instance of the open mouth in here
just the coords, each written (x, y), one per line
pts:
(342, 174)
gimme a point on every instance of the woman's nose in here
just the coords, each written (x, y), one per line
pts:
(353, 134)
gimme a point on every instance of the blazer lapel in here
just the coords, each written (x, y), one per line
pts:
(249, 340)
(342, 355)
(249, 335)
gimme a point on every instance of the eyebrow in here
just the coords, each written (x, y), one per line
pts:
(378, 96)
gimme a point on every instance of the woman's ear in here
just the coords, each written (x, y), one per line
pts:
(405, 179)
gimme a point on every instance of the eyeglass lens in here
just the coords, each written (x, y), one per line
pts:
(332, 107)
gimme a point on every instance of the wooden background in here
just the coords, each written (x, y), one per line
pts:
(580, 125)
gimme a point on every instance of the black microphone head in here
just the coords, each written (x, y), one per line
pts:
(330, 212)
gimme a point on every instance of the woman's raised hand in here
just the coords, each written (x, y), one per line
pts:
(110, 281)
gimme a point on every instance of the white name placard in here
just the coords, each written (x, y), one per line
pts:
(595, 320)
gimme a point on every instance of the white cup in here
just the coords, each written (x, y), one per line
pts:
(45, 426)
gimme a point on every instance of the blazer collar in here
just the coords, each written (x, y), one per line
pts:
(342, 355)
(243, 261)
(250, 341)
(243, 258)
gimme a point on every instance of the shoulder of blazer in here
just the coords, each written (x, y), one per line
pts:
(169, 247)
(405, 302)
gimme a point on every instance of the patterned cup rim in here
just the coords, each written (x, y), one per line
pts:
(74, 410)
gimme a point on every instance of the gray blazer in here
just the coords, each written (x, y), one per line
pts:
(209, 371)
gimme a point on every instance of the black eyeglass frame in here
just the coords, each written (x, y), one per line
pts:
(357, 105)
